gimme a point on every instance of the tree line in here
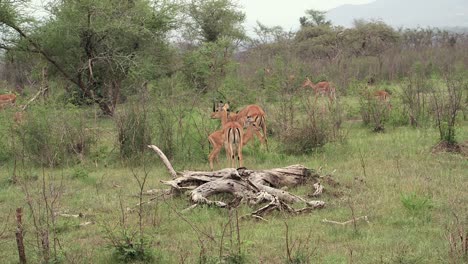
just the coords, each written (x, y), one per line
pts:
(100, 52)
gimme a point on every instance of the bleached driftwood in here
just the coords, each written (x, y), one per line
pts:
(165, 160)
(346, 222)
(251, 186)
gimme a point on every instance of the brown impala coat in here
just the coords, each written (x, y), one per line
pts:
(321, 88)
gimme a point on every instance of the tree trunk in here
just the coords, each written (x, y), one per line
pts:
(19, 236)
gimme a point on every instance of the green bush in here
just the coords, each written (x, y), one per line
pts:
(181, 130)
(304, 130)
(236, 258)
(374, 113)
(417, 206)
(299, 257)
(79, 173)
(51, 137)
(5, 148)
(397, 115)
(126, 250)
(133, 131)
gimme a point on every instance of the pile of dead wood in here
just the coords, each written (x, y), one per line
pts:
(253, 187)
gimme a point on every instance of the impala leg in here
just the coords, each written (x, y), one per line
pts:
(230, 154)
(261, 137)
(255, 128)
(239, 154)
(214, 155)
(265, 133)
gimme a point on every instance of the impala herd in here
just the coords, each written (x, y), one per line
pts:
(237, 129)
(232, 134)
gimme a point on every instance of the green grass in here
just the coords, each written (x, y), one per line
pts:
(408, 193)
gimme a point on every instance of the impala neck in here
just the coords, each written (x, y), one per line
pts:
(224, 117)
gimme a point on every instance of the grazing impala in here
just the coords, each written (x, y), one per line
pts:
(321, 88)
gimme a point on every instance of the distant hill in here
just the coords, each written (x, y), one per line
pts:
(405, 13)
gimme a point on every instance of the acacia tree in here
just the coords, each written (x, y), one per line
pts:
(266, 35)
(94, 45)
(215, 27)
(214, 19)
(314, 18)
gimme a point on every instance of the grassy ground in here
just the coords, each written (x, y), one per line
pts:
(409, 194)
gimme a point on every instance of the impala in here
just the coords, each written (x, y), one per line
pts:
(231, 136)
(6, 99)
(216, 138)
(382, 95)
(256, 114)
(321, 88)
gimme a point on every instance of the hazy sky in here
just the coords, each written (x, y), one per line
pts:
(286, 13)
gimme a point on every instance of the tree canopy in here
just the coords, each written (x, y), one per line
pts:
(95, 45)
(214, 19)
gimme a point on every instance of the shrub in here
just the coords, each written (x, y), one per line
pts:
(78, 138)
(126, 250)
(133, 131)
(417, 206)
(236, 258)
(79, 173)
(50, 137)
(181, 130)
(374, 113)
(5, 150)
(446, 103)
(415, 96)
(305, 131)
(164, 121)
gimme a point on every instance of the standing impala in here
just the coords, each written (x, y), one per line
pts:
(258, 117)
(322, 88)
(217, 138)
(231, 135)
(382, 95)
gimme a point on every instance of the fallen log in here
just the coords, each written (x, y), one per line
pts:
(251, 186)
(346, 222)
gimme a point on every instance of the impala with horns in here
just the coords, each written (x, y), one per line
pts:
(321, 88)
(255, 113)
(231, 136)
(216, 138)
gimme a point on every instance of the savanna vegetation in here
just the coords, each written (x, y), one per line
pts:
(98, 81)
